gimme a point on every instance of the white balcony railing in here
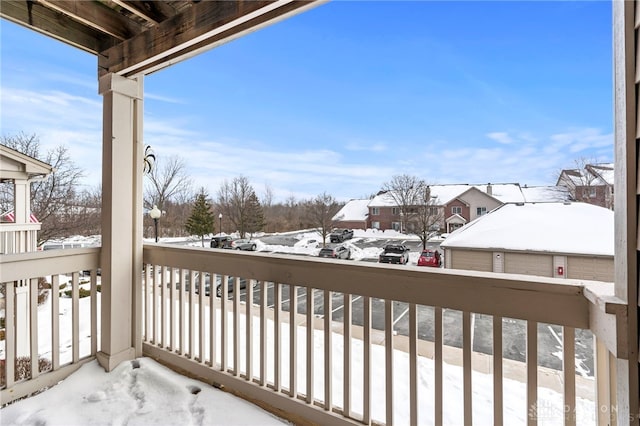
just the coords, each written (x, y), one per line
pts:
(357, 346)
(32, 353)
(349, 363)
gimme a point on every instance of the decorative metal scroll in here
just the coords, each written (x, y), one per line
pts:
(149, 159)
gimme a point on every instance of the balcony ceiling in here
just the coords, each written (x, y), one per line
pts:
(140, 36)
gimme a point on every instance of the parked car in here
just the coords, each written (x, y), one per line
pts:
(217, 242)
(394, 253)
(430, 257)
(338, 252)
(339, 235)
(240, 244)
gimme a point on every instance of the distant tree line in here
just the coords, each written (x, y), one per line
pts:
(66, 208)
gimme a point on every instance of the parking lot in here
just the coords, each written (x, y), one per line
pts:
(514, 331)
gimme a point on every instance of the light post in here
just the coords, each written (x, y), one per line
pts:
(220, 230)
(155, 214)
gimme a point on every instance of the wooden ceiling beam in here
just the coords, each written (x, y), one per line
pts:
(97, 16)
(153, 12)
(55, 24)
(196, 29)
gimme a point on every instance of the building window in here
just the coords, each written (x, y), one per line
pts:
(395, 211)
(375, 211)
(481, 210)
(395, 226)
(375, 225)
(456, 210)
(433, 211)
(592, 192)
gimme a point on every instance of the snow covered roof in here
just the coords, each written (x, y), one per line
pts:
(570, 228)
(604, 172)
(353, 210)
(503, 192)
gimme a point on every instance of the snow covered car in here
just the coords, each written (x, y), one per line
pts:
(394, 253)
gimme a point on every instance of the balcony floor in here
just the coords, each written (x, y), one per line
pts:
(139, 392)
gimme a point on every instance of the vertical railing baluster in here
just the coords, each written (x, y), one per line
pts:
(224, 284)
(181, 322)
(263, 333)
(413, 364)
(467, 368)
(328, 351)
(248, 302)
(532, 372)
(212, 318)
(154, 307)
(498, 396)
(613, 389)
(172, 309)
(75, 315)
(277, 340)
(55, 322)
(33, 326)
(236, 326)
(346, 368)
(10, 333)
(438, 361)
(192, 285)
(310, 344)
(147, 302)
(602, 371)
(162, 341)
(366, 361)
(569, 370)
(293, 341)
(388, 346)
(94, 312)
(201, 319)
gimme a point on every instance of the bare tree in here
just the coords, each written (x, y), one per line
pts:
(428, 215)
(233, 200)
(54, 199)
(320, 212)
(168, 181)
(407, 192)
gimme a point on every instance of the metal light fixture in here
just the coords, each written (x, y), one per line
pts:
(155, 214)
(220, 217)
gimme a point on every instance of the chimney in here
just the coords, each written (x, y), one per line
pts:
(489, 189)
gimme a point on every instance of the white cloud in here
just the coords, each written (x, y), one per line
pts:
(501, 137)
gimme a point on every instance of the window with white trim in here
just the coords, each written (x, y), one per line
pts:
(456, 210)
(375, 211)
(481, 210)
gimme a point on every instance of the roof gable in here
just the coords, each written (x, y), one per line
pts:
(16, 165)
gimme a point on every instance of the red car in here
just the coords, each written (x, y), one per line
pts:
(430, 257)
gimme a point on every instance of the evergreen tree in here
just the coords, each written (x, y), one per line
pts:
(255, 215)
(202, 221)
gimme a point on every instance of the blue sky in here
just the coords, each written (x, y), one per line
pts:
(346, 95)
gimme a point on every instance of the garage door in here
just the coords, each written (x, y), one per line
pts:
(585, 268)
(528, 264)
(472, 260)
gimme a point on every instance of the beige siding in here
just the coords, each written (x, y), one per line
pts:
(528, 264)
(472, 260)
(590, 268)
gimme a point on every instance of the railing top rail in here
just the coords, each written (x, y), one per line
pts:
(49, 262)
(551, 300)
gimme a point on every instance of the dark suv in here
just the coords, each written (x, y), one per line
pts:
(220, 242)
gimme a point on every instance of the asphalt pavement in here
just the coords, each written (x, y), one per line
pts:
(514, 331)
